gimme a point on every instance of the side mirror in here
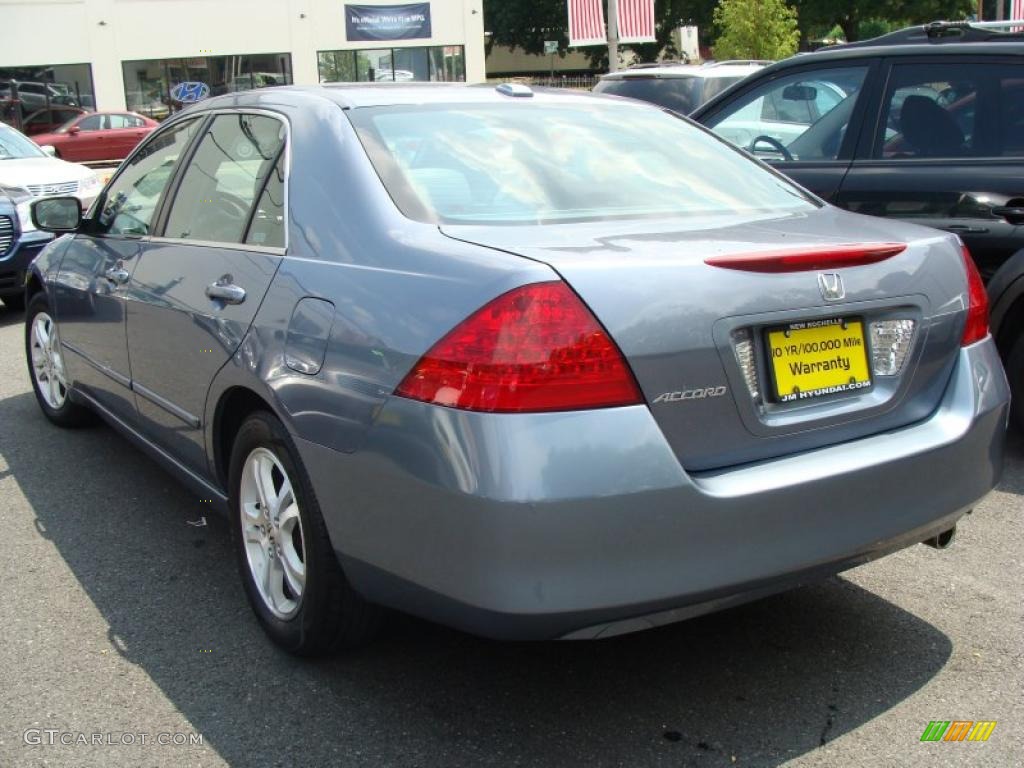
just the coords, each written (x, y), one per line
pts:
(799, 93)
(48, 150)
(57, 214)
(74, 130)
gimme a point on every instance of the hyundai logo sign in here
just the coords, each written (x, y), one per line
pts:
(189, 93)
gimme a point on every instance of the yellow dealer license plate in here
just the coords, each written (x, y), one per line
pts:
(818, 358)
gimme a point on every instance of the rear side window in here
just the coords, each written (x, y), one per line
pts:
(531, 162)
(225, 178)
(932, 111)
(267, 227)
(1011, 111)
(680, 94)
(123, 121)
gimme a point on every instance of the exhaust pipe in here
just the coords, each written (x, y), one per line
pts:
(941, 540)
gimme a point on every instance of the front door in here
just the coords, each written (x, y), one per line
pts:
(197, 288)
(948, 153)
(95, 274)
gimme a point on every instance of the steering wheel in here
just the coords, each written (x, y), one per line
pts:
(775, 143)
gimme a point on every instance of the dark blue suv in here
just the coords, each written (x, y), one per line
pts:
(17, 249)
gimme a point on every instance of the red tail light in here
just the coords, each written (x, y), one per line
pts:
(976, 328)
(535, 348)
(802, 259)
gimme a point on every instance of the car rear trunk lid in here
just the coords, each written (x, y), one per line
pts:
(682, 322)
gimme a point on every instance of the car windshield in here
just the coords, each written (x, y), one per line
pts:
(680, 94)
(14, 146)
(532, 163)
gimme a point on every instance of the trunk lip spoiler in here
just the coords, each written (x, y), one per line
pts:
(807, 258)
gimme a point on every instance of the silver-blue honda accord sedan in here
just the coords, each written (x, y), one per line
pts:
(531, 364)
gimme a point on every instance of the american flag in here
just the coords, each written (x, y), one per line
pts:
(586, 22)
(636, 20)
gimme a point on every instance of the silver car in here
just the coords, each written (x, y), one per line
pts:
(531, 364)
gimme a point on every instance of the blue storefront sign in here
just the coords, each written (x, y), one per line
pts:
(408, 21)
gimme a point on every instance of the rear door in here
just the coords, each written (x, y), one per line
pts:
(198, 286)
(125, 132)
(946, 149)
(805, 122)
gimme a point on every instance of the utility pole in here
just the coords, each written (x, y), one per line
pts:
(613, 35)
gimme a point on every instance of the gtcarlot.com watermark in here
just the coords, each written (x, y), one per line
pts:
(51, 737)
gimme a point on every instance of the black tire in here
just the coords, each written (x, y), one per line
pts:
(14, 302)
(1015, 373)
(330, 616)
(69, 414)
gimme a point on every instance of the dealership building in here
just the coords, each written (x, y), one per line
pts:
(135, 54)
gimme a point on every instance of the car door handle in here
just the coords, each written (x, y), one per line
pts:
(1012, 213)
(117, 275)
(226, 291)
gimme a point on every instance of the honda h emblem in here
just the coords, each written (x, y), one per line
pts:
(831, 286)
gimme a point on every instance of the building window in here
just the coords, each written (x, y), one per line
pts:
(439, 63)
(149, 84)
(58, 87)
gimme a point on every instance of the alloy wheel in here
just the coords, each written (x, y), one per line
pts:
(48, 362)
(272, 533)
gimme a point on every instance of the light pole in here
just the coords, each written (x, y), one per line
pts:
(613, 35)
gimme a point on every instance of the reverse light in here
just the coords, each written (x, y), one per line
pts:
(803, 259)
(743, 348)
(890, 344)
(976, 327)
(535, 348)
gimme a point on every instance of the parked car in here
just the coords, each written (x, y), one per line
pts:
(26, 171)
(679, 87)
(36, 95)
(559, 366)
(48, 120)
(930, 131)
(98, 136)
(20, 243)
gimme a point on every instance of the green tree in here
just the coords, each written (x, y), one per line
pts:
(755, 29)
(863, 18)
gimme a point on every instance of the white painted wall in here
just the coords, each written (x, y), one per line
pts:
(104, 33)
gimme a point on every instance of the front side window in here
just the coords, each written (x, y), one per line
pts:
(536, 163)
(224, 178)
(91, 123)
(803, 116)
(131, 199)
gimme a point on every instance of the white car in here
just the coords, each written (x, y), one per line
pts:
(679, 87)
(28, 172)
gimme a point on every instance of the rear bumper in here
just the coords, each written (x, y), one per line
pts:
(583, 524)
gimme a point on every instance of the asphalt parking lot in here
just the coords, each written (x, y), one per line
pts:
(120, 617)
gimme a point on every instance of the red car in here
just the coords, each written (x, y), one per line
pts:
(98, 136)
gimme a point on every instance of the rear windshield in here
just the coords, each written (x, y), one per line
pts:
(680, 94)
(530, 163)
